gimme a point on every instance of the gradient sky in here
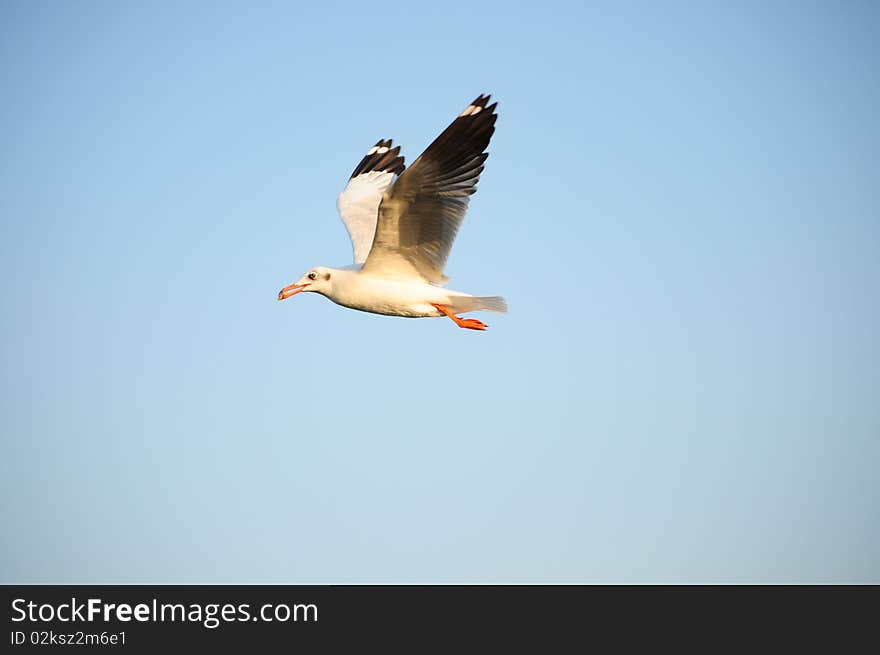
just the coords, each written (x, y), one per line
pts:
(682, 206)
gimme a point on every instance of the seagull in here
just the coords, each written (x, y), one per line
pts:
(402, 223)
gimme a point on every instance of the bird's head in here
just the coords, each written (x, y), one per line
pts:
(317, 279)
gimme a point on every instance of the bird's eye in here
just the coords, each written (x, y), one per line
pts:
(313, 275)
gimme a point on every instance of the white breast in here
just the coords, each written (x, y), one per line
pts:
(392, 297)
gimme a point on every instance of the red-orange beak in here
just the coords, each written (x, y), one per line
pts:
(291, 290)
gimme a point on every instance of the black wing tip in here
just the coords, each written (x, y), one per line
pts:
(478, 106)
(382, 158)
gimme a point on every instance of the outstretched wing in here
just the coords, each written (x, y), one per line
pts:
(421, 212)
(358, 204)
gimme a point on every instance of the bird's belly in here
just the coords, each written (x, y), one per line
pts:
(408, 311)
(392, 299)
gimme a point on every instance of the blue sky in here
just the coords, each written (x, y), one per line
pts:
(682, 206)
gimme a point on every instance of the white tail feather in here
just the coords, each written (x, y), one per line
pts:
(461, 304)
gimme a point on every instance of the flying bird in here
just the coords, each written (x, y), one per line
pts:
(402, 223)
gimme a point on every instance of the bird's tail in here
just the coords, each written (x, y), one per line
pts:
(462, 304)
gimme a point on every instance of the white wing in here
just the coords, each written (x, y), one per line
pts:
(358, 204)
(421, 212)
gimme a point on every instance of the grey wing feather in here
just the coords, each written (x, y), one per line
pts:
(420, 214)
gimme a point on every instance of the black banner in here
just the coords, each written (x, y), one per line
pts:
(172, 618)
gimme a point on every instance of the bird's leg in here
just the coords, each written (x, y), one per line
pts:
(469, 323)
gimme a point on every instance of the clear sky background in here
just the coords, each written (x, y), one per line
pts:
(682, 206)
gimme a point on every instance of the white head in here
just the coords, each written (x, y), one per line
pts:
(317, 279)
